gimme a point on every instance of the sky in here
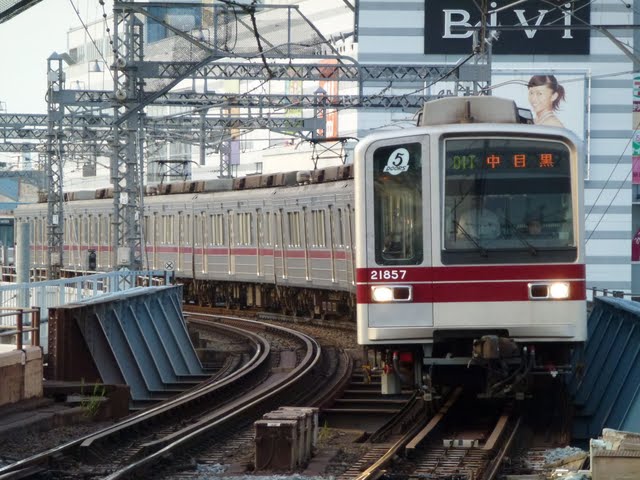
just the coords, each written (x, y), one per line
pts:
(27, 40)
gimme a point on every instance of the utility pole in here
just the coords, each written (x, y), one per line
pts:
(126, 169)
(482, 47)
(54, 166)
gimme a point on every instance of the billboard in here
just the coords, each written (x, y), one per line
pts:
(554, 98)
(448, 26)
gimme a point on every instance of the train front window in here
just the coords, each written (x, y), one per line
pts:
(507, 200)
(397, 187)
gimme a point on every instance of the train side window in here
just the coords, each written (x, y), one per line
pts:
(340, 228)
(204, 241)
(188, 230)
(397, 197)
(244, 228)
(169, 230)
(76, 230)
(94, 230)
(84, 227)
(318, 232)
(248, 228)
(266, 229)
(217, 229)
(294, 228)
(279, 242)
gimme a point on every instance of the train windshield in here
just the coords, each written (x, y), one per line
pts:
(398, 204)
(507, 200)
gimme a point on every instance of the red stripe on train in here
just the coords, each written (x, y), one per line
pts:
(512, 291)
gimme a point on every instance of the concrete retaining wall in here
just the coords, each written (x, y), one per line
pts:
(20, 374)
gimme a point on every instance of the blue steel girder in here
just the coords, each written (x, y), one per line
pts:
(606, 389)
(138, 336)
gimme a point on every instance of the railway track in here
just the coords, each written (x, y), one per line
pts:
(458, 442)
(282, 363)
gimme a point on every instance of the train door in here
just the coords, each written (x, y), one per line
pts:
(394, 249)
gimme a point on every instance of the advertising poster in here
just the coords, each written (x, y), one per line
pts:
(635, 158)
(554, 98)
(636, 94)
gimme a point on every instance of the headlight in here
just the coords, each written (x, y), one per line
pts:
(381, 294)
(559, 290)
(394, 293)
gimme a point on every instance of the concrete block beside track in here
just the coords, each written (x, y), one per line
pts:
(20, 374)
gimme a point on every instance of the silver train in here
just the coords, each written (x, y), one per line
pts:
(281, 242)
(455, 245)
(470, 252)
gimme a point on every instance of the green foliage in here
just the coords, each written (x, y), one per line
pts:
(90, 403)
(324, 434)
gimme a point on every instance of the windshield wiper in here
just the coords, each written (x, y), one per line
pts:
(533, 250)
(481, 249)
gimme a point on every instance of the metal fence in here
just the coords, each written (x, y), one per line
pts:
(54, 293)
(18, 324)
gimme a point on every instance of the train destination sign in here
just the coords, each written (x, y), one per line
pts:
(448, 26)
(465, 156)
(494, 161)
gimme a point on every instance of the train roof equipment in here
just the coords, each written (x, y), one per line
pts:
(474, 109)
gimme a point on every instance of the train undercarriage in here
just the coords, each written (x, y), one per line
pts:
(291, 301)
(492, 365)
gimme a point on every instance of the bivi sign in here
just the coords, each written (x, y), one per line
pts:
(449, 26)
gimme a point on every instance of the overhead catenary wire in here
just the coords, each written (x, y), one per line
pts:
(86, 29)
(620, 157)
(251, 8)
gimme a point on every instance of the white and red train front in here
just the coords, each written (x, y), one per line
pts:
(469, 230)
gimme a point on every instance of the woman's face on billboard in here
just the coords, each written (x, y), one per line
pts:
(541, 99)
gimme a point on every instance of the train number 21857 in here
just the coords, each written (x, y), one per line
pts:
(390, 274)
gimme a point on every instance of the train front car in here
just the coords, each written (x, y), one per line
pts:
(470, 264)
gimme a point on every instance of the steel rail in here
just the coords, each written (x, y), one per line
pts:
(496, 463)
(35, 462)
(376, 470)
(183, 438)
